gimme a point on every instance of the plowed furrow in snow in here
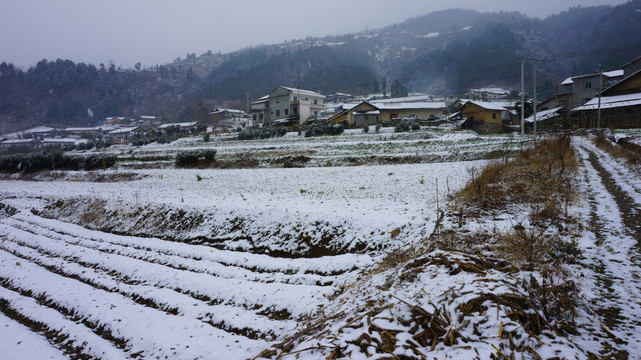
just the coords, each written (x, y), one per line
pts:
(230, 318)
(179, 262)
(143, 331)
(252, 262)
(294, 299)
(618, 294)
(73, 340)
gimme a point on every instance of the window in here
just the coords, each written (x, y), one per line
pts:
(254, 117)
(563, 103)
(286, 111)
(588, 84)
(393, 116)
(315, 101)
(493, 115)
(295, 98)
(278, 112)
(315, 114)
(261, 116)
(277, 101)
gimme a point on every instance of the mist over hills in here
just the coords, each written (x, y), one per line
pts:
(443, 53)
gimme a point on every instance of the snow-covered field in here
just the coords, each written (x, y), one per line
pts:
(223, 264)
(113, 296)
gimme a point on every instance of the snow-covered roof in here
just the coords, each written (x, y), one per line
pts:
(123, 130)
(109, 127)
(608, 74)
(411, 105)
(17, 141)
(544, 115)
(80, 129)
(261, 99)
(59, 141)
(233, 111)
(491, 105)
(303, 92)
(492, 90)
(39, 129)
(567, 81)
(609, 102)
(411, 98)
(613, 73)
(182, 124)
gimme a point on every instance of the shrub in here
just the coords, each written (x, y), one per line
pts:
(327, 129)
(96, 162)
(53, 159)
(264, 133)
(195, 158)
(403, 126)
(415, 126)
(365, 129)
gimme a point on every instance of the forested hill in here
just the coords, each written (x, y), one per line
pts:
(443, 53)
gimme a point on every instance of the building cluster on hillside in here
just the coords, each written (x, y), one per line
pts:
(604, 99)
(117, 129)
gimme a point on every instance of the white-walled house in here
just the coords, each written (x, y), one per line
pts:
(287, 106)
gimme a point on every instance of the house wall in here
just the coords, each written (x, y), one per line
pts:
(481, 114)
(284, 103)
(617, 118)
(631, 85)
(360, 108)
(386, 114)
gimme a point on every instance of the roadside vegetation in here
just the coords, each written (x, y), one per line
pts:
(629, 152)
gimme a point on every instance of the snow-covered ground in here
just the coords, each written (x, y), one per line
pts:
(233, 281)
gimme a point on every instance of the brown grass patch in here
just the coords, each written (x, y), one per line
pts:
(542, 176)
(629, 152)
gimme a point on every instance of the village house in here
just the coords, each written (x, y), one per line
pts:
(19, 143)
(485, 117)
(225, 119)
(368, 113)
(39, 132)
(115, 120)
(260, 111)
(60, 142)
(288, 106)
(488, 94)
(82, 131)
(123, 135)
(619, 106)
(183, 126)
(581, 89)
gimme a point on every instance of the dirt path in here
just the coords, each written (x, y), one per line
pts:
(615, 224)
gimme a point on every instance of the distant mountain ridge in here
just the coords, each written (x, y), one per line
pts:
(443, 53)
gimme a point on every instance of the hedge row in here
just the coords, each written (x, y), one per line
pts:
(264, 133)
(43, 160)
(328, 129)
(405, 126)
(195, 158)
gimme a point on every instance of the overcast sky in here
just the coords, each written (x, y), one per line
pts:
(158, 31)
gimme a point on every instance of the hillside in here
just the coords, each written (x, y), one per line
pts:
(443, 53)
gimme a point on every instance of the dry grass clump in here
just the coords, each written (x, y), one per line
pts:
(630, 152)
(542, 176)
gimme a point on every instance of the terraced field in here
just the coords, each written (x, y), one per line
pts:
(106, 296)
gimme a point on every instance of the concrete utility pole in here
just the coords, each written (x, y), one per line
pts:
(534, 97)
(250, 122)
(522, 97)
(598, 114)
